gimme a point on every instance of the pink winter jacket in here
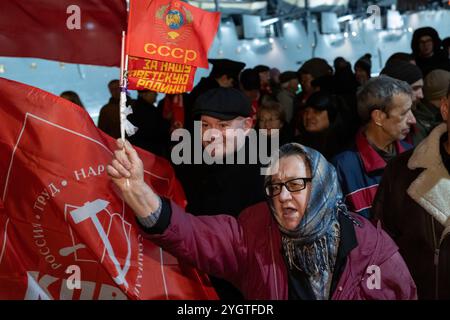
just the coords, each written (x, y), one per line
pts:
(247, 252)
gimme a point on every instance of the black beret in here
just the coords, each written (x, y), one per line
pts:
(223, 104)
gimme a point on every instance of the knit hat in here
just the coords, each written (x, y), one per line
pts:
(436, 84)
(403, 70)
(365, 63)
(316, 67)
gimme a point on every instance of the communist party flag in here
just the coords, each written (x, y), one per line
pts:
(166, 41)
(63, 30)
(64, 232)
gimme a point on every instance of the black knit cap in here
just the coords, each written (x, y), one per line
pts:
(223, 104)
(403, 70)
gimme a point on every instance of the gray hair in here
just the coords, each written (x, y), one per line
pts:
(377, 93)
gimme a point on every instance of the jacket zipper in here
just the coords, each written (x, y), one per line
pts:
(273, 264)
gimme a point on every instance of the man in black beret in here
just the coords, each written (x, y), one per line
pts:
(224, 74)
(221, 188)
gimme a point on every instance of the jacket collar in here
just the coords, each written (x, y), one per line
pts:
(431, 189)
(372, 161)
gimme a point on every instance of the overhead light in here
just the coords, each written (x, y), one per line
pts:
(268, 22)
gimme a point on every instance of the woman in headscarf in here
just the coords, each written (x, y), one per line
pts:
(299, 244)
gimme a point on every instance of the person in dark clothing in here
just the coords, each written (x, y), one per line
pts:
(73, 97)
(224, 74)
(363, 69)
(109, 118)
(402, 56)
(323, 127)
(221, 188)
(250, 85)
(413, 205)
(426, 47)
(153, 130)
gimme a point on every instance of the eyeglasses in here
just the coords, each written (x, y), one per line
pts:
(293, 185)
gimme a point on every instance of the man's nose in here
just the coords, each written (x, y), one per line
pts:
(420, 94)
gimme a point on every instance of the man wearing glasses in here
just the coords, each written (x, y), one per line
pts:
(300, 244)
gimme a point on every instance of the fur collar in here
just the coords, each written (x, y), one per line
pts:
(431, 189)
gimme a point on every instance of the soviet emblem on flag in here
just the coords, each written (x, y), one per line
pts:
(172, 19)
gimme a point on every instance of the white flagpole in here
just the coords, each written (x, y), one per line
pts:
(123, 91)
(123, 88)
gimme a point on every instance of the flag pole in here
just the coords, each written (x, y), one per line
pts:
(123, 92)
(123, 88)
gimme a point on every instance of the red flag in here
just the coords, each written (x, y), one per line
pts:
(171, 30)
(60, 219)
(48, 29)
(160, 76)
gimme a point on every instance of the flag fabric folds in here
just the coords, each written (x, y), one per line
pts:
(64, 232)
(82, 31)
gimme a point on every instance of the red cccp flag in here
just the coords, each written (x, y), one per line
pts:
(63, 30)
(172, 31)
(60, 219)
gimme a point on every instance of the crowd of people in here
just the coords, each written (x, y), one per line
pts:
(363, 177)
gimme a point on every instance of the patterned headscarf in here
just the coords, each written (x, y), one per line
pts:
(312, 246)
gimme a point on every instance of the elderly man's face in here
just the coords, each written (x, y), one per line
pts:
(289, 206)
(222, 137)
(399, 119)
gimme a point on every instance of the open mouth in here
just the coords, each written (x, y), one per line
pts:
(289, 212)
